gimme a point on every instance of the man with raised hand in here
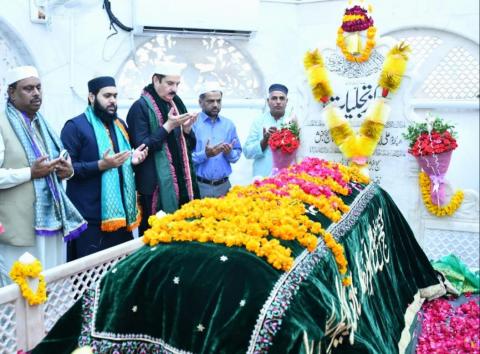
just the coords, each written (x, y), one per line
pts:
(217, 146)
(159, 119)
(256, 147)
(103, 187)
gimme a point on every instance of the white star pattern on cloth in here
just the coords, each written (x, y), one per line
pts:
(312, 210)
(134, 308)
(242, 302)
(114, 270)
(176, 280)
(224, 258)
(153, 248)
(200, 328)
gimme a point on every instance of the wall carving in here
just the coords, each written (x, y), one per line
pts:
(209, 59)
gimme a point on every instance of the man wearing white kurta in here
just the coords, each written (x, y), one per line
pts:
(256, 147)
(34, 208)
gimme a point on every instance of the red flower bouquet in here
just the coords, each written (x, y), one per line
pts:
(284, 144)
(284, 139)
(430, 138)
(433, 143)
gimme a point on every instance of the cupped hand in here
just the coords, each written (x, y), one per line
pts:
(112, 161)
(214, 150)
(187, 126)
(41, 167)
(175, 120)
(64, 168)
(139, 154)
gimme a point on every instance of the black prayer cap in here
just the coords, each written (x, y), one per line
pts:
(278, 87)
(96, 84)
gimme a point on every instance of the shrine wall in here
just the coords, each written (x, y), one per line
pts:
(74, 48)
(391, 166)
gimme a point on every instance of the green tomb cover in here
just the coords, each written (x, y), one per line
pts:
(208, 298)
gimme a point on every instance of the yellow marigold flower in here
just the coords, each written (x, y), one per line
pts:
(437, 210)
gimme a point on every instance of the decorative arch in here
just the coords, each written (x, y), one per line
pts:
(447, 64)
(205, 59)
(14, 53)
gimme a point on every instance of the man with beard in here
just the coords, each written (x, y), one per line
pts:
(217, 145)
(103, 187)
(256, 147)
(34, 207)
(159, 120)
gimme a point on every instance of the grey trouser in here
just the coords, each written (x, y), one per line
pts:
(209, 191)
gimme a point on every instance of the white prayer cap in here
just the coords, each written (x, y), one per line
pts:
(169, 69)
(20, 73)
(210, 86)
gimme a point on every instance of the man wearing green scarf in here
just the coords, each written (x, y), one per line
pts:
(159, 119)
(103, 187)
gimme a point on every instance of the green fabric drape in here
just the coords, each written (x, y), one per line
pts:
(209, 298)
(457, 273)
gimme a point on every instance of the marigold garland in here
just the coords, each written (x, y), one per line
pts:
(434, 209)
(317, 76)
(357, 147)
(239, 219)
(19, 273)
(364, 55)
(235, 221)
(394, 68)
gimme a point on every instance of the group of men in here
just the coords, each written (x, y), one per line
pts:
(117, 174)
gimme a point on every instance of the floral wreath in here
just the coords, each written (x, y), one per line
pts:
(356, 19)
(19, 273)
(357, 147)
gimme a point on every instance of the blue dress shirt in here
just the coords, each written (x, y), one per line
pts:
(222, 130)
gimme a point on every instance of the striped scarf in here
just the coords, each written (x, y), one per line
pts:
(54, 212)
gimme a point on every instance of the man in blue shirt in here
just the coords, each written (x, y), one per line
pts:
(217, 146)
(256, 146)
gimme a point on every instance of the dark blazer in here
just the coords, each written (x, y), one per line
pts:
(84, 189)
(139, 133)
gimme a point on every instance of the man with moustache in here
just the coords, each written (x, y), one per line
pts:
(159, 119)
(103, 187)
(256, 147)
(217, 146)
(34, 207)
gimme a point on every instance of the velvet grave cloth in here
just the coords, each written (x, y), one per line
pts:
(209, 298)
